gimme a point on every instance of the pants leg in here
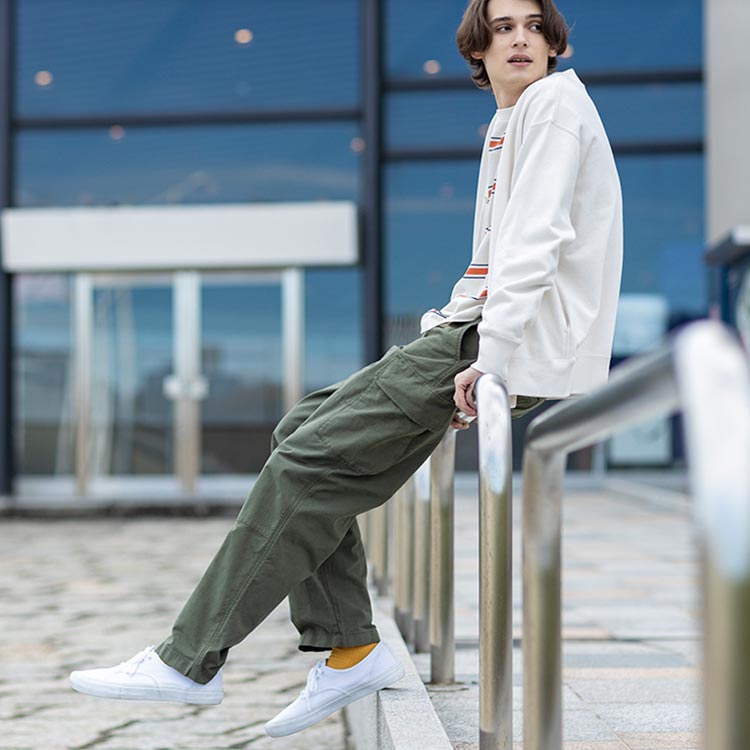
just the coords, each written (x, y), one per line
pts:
(331, 607)
(350, 455)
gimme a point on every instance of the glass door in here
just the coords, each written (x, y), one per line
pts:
(242, 359)
(181, 378)
(125, 347)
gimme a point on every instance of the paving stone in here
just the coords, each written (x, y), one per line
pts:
(630, 627)
(662, 740)
(84, 593)
(651, 717)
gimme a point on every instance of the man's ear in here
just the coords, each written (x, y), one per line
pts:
(477, 55)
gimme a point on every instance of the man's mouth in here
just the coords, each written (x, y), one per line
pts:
(520, 61)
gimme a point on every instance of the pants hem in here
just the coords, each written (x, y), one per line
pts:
(322, 640)
(183, 664)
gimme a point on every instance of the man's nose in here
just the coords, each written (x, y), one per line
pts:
(520, 38)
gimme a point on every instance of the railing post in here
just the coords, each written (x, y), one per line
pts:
(421, 601)
(398, 563)
(442, 626)
(714, 384)
(542, 623)
(495, 565)
(404, 520)
(378, 533)
(365, 528)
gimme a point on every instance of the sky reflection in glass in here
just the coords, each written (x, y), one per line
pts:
(125, 56)
(612, 35)
(196, 164)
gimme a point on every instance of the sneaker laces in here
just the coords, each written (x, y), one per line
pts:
(312, 681)
(130, 666)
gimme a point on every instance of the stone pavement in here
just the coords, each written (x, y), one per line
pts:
(630, 606)
(86, 593)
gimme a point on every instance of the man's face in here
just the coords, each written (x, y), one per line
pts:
(516, 31)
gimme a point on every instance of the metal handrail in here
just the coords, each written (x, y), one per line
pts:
(704, 371)
(442, 606)
(424, 511)
(495, 565)
(422, 532)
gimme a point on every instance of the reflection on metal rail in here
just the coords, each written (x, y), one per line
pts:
(704, 372)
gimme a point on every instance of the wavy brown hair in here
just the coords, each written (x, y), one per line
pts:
(475, 35)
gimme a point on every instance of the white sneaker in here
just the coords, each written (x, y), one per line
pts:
(328, 690)
(146, 677)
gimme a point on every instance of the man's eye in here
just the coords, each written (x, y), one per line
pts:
(534, 25)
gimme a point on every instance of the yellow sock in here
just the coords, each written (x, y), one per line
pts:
(345, 657)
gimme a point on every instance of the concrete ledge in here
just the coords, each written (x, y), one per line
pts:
(401, 717)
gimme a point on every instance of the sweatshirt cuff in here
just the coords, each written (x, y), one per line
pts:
(494, 355)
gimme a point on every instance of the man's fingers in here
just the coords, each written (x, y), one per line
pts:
(468, 402)
(459, 397)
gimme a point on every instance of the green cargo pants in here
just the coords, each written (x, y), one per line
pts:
(339, 452)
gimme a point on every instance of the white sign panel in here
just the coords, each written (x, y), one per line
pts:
(267, 235)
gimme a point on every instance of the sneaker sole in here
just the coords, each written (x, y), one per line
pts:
(144, 693)
(394, 674)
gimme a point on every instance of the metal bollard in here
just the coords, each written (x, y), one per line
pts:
(495, 565)
(421, 600)
(442, 625)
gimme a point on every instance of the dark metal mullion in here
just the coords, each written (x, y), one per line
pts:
(6, 199)
(175, 119)
(473, 152)
(612, 78)
(372, 198)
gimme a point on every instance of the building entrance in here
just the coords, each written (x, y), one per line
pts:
(179, 379)
(135, 378)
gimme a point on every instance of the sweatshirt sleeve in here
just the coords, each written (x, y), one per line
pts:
(526, 245)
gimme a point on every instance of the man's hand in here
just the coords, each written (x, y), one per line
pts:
(464, 395)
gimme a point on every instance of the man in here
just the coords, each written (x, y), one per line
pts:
(536, 306)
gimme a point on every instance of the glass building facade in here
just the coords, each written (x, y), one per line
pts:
(184, 102)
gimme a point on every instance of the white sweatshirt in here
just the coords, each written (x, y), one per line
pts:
(547, 247)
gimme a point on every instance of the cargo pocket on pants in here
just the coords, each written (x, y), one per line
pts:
(380, 425)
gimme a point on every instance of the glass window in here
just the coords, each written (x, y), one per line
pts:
(428, 224)
(613, 35)
(333, 325)
(201, 164)
(242, 361)
(663, 200)
(626, 35)
(650, 112)
(436, 119)
(630, 113)
(429, 215)
(124, 56)
(43, 375)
